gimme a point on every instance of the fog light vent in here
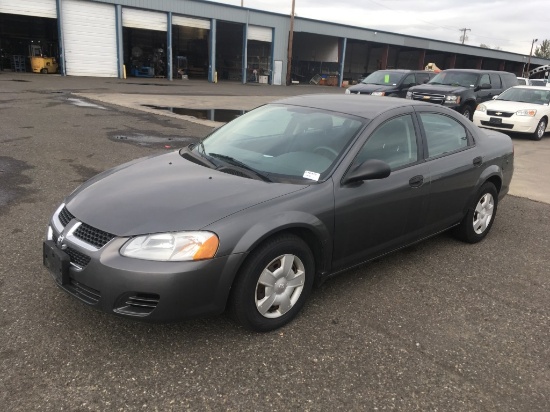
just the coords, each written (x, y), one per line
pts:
(137, 304)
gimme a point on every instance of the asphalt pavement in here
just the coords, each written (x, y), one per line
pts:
(440, 326)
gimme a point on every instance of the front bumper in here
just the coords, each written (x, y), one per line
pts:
(148, 290)
(515, 124)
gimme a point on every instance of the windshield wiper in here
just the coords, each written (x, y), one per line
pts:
(200, 157)
(238, 163)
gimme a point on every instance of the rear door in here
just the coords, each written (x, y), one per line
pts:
(453, 167)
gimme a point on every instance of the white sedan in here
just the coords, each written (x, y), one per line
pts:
(520, 109)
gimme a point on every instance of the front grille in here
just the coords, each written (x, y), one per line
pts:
(501, 125)
(78, 258)
(429, 97)
(137, 304)
(65, 216)
(499, 114)
(86, 293)
(93, 236)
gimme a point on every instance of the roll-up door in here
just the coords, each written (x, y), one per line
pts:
(189, 22)
(141, 19)
(37, 8)
(260, 33)
(89, 36)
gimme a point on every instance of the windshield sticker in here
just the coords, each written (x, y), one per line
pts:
(387, 78)
(311, 175)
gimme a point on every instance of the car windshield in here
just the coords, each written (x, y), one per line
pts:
(455, 79)
(526, 95)
(281, 143)
(383, 78)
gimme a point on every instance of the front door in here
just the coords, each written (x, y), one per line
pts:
(377, 216)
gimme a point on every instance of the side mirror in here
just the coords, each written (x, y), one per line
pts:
(495, 97)
(368, 170)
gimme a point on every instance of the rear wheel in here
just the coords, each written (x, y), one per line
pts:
(273, 284)
(539, 131)
(44, 71)
(480, 217)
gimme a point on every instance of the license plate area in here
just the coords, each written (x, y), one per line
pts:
(56, 261)
(495, 120)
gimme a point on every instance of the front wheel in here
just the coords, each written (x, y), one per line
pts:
(539, 131)
(467, 112)
(480, 217)
(273, 284)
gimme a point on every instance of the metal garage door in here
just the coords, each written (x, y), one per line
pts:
(38, 8)
(189, 22)
(260, 33)
(141, 19)
(89, 37)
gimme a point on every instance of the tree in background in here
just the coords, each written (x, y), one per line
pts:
(485, 46)
(543, 50)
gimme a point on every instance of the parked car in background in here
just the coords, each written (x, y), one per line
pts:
(284, 196)
(523, 81)
(539, 82)
(520, 109)
(463, 89)
(392, 83)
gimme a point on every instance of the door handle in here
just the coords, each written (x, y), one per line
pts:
(416, 181)
(478, 161)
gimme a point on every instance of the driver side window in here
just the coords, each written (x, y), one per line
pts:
(485, 79)
(394, 142)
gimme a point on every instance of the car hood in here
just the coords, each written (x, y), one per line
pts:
(438, 88)
(369, 88)
(507, 106)
(166, 193)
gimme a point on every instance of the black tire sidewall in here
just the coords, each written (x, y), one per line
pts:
(243, 297)
(468, 108)
(467, 226)
(535, 135)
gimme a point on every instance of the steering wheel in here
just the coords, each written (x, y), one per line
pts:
(326, 151)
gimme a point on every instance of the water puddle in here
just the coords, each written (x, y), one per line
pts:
(82, 103)
(140, 139)
(216, 115)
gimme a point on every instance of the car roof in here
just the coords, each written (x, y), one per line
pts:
(404, 71)
(358, 105)
(474, 71)
(530, 87)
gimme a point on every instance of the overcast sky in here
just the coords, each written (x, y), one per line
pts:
(508, 24)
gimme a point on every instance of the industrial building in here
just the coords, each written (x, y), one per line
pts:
(217, 42)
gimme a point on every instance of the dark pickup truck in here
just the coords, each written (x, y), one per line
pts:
(463, 89)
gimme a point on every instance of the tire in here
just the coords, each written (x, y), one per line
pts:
(480, 217)
(273, 284)
(467, 112)
(539, 131)
(44, 71)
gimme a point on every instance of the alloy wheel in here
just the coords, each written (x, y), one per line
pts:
(483, 213)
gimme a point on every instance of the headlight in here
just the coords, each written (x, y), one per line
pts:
(452, 99)
(526, 112)
(481, 108)
(178, 246)
(409, 95)
(347, 91)
(378, 93)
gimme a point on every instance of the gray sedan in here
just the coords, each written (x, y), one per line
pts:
(275, 201)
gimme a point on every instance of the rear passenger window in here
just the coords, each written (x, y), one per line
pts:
(422, 78)
(443, 134)
(495, 81)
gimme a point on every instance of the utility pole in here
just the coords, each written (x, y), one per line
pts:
(464, 35)
(530, 54)
(290, 40)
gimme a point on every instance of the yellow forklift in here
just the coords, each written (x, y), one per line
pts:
(40, 63)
